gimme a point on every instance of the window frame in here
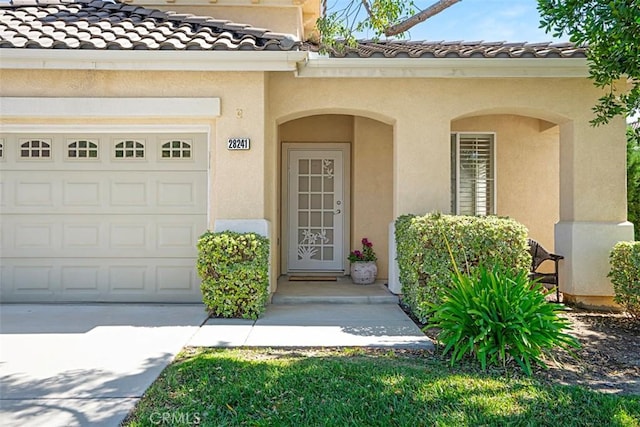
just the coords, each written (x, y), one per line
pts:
(39, 158)
(455, 171)
(88, 149)
(182, 149)
(134, 158)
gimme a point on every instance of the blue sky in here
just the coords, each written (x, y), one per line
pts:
(488, 20)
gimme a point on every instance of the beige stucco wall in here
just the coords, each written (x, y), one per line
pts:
(317, 128)
(527, 177)
(372, 188)
(422, 110)
(593, 186)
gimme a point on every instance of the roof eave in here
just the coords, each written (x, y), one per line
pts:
(150, 60)
(306, 64)
(325, 67)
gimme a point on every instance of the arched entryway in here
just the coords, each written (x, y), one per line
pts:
(336, 188)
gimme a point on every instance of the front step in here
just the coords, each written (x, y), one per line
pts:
(340, 292)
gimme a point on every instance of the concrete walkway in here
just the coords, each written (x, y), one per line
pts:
(88, 364)
(320, 314)
(316, 325)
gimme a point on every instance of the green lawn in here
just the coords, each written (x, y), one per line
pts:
(215, 387)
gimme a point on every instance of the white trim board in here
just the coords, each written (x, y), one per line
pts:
(108, 107)
(152, 60)
(104, 128)
(324, 67)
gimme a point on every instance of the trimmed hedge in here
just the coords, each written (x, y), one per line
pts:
(234, 268)
(633, 178)
(625, 276)
(424, 261)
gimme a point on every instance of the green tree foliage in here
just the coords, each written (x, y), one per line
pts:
(342, 20)
(633, 178)
(611, 28)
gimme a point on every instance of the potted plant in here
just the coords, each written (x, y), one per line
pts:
(363, 264)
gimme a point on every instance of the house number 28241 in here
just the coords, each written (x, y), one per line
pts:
(238, 143)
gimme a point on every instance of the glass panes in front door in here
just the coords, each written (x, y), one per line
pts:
(315, 210)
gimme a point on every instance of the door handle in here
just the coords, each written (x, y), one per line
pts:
(337, 211)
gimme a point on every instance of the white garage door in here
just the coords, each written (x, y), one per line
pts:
(101, 217)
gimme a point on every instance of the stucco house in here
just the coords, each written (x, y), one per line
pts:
(128, 129)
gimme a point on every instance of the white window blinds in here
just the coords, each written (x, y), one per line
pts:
(473, 174)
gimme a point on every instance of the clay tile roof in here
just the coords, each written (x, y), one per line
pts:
(458, 49)
(108, 24)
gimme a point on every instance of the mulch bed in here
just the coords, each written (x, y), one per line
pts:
(609, 359)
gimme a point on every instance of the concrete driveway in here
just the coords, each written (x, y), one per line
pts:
(85, 365)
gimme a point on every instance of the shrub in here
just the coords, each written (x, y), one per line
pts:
(234, 268)
(633, 178)
(424, 262)
(496, 317)
(625, 276)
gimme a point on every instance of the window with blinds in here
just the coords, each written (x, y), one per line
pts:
(473, 174)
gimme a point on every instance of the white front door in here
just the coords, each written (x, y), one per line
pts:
(316, 209)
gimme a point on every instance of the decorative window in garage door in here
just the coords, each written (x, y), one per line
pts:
(129, 150)
(35, 149)
(82, 149)
(176, 150)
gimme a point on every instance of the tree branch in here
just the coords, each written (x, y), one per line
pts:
(414, 20)
(367, 6)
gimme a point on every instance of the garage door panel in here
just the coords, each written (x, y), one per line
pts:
(129, 235)
(175, 278)
(38, 279)
(85, 278)
(128, 278)
(177, 193)
(35, 193)
(105, 192)
(82, 236)
(177, 236)
(81, 193)
(96, 236)
(159, 152)
(109, 280)
(31, 235)
(132, 193)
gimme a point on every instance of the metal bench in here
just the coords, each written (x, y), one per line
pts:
(540, 255)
